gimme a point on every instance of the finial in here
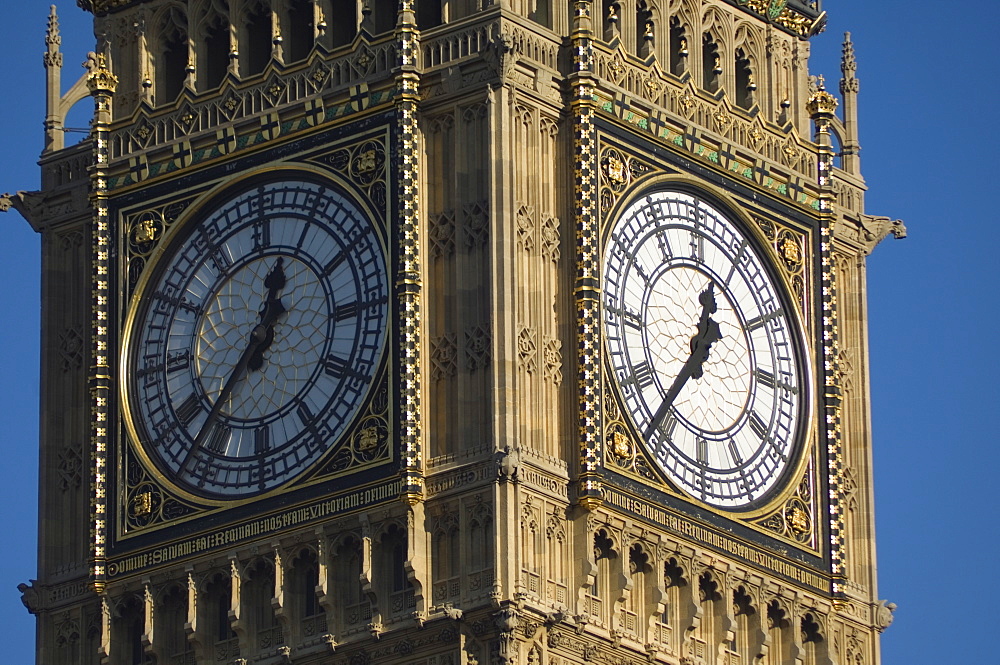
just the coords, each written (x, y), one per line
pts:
(52, 35)
(848, 67)
(321, 24)
(53, 58)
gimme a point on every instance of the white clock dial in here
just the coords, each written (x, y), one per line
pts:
(704, 349)
(257, 337)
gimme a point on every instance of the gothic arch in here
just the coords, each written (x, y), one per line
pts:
(254, 20)
(169, 48)
(212, 30)
(128, 624)
(748, 61)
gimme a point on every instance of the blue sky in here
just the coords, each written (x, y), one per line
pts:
(928, 91)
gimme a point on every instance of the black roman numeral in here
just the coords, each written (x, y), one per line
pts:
(734, 452)
(261, 234)
(346, 311)
(755, 323)
(642, 374)
(261, 439)
(334, 264)
(758, 426)
(188, 409)
(304, 414)
(335, 366)
(178, 361)
(702, 451)
(218, 438)
(765, 378)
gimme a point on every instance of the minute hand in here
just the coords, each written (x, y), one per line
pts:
(708, 333)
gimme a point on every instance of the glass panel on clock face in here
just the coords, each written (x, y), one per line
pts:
(701, 343)
(258, 337)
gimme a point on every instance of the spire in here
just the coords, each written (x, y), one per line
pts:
(53, 61)
(53, 58)
(848, 66)
(849, 86)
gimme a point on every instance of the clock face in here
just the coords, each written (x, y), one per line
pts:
(257, 337)
(704, 348)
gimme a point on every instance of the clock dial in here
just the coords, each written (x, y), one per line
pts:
(256, 339)
(705, 351)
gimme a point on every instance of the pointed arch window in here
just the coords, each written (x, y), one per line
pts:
(744, 647)
(170, 61)
(675, 585)
(384, 16)
(711, 64)
(780, 636)
(304, 577)
(611, 13)
(746, 85)
(396, 584)
(344, 22)
(352, 605)
(301, 32)
(428, 14)
(258, 31)
(813, 645)
(638, 608)
(170, 619)
(126, 632)
(213, 57)
(678, 47)
(601, 597)
(643, 29)
(446, 562)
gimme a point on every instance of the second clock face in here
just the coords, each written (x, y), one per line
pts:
(257, 338)
(704, 348)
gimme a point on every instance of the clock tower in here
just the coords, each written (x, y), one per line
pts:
(444, 332)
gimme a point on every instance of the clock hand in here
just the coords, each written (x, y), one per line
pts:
(701, 344)
(252, 357)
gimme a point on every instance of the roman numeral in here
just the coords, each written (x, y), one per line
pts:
(261, 439)
(178, 361)
(769, 380)
(755, 323)
(663, 242)
(335, 366)
(701, 451)
(669, 425)
(347, 311)
(220, 259)
(334, 264)
(734, 452)
(630, 319)
(218, 438)
(188, 409)
(765, 378)
(642, 375)
(304, 414)
(736, 261)
(758, 426)
(261, 234)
